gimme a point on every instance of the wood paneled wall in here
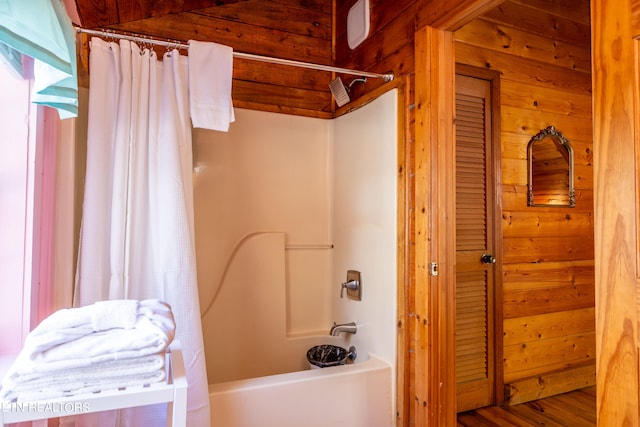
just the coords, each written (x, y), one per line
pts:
(288, 29)
(542, 50)
(616, 94)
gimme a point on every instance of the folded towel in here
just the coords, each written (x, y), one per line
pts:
(84, 336)
(210, 77)
(114, 314)
(100, 377)
(106, 345)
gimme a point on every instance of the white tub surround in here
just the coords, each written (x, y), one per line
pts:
(302, 202)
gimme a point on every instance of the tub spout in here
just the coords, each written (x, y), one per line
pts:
(349, 328)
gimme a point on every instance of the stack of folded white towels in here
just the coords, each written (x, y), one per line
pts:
(106, 345)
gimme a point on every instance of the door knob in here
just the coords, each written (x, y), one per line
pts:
(487, 259)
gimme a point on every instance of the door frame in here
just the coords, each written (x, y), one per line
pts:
(434, 230)
(433, 297)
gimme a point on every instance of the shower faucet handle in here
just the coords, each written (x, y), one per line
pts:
(353, 285)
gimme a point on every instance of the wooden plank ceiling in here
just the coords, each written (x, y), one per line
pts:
(290, 29)
(303, 30)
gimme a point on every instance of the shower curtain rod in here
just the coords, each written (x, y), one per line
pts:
(387, 77)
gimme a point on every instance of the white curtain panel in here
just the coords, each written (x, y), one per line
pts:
(137, 238)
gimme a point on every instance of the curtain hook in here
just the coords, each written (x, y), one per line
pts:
(110, 37)
(172, 45)
(147, 44)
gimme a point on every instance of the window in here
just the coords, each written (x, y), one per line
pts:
(16, 207)
(36, 210)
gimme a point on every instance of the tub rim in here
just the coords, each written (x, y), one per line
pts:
(373, 363)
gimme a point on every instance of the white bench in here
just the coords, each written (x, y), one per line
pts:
(173, 391)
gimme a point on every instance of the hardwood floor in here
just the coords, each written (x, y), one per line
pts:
(574, 409)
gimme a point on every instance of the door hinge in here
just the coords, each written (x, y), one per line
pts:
(433, 269)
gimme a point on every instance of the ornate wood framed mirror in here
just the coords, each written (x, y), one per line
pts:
(550, 159)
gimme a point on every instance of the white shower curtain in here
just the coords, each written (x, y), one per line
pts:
(137, 237)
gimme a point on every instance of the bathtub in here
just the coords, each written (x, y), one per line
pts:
(354, 395)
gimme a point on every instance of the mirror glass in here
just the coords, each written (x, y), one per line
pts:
(550, 158)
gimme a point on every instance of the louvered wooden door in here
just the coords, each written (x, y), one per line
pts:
(475, 340)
